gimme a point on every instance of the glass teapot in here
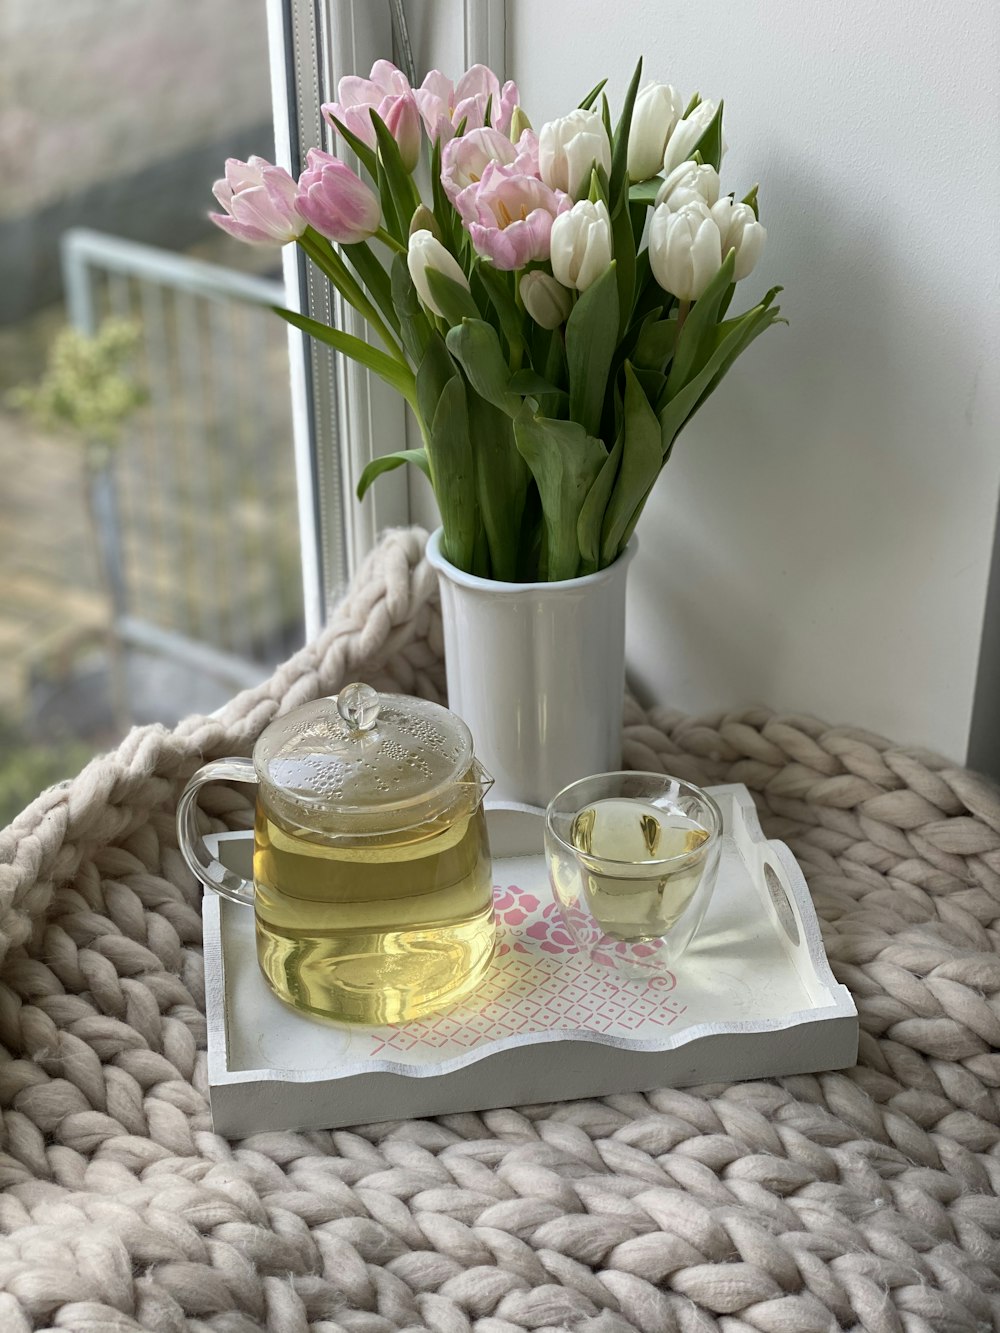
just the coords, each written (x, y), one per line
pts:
(372, 881)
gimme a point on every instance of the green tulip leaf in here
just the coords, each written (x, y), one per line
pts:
(475, 345)
(637, 219)
(682, 405)
(488, 311)
(642, 458)
(366, 156)
(556, 369)
(442, 208)
(389, 463)
(449, 223)
(591, 339)
(375, 277)
(552, 401)
(453, 466)
(749, 327)
(503, 302)
(330, 263)
(724, 304)
(394, 224)
(453, 300)
(725, 326)
(645, 192)
(593, 95)
(699, 327)
(404, 194)
(751, 199)
(414, 326)
(598, 192)
(710, 143)
(623, 248)
(649, 295)
(565, 462)
(655, 344)
(399, 376)
(502, 481)
(591, 520)
(436, 369)
(529, 381)
(619, 190)
(606, 117)
(654, 386)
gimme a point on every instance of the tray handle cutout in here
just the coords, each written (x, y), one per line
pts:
(781, 902)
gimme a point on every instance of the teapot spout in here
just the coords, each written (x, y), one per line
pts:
(478, 784)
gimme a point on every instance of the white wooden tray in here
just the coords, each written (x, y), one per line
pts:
(753, 996)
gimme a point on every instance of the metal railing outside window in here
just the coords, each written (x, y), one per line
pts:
(197, 510)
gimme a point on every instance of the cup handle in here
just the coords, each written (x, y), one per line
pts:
(192, 845)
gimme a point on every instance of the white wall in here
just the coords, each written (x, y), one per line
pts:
(821, 539)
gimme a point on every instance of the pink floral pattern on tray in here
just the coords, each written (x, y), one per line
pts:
(539, 982)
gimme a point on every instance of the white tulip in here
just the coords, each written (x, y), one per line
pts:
(546, 301)
(690, 183)
(739, 230)
(426, 251)
(581, 244)
(685, 249)
(686, 133)
(569, 148)
(657, 110)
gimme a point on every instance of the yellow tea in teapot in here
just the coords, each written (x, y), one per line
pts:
(376, 928)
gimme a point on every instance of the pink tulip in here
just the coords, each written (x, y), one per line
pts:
(474, 89)
(387, 92)
(444, 105)
(259, 199)
(513, 215)
(357, 119)
(436, 100)
(402, 120)
(465, 159)
(527, 153)
(335, 201)
(385, 80)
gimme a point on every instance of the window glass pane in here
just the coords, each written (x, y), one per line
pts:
(150, 570)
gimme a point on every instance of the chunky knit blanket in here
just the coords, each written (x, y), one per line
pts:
(864, 1200)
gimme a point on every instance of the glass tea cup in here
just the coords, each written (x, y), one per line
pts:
(372, 885)
(633, 859)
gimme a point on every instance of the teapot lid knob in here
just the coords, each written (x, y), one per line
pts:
(359, 706)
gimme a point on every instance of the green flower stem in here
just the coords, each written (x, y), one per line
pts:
(517, 347)
(383, 236)
(333, 267)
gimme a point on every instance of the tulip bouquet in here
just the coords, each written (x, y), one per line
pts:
(550, 357)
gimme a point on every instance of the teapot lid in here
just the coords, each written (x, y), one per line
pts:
(360, 751)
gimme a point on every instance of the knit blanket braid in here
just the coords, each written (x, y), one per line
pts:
(862, 1200)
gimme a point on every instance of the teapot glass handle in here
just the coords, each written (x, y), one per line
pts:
(200, 860)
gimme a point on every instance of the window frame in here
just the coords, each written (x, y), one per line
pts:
(342, 415)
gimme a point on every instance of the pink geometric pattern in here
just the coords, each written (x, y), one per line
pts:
(539, 982)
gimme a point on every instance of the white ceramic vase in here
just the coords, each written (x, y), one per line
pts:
(537, 671)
